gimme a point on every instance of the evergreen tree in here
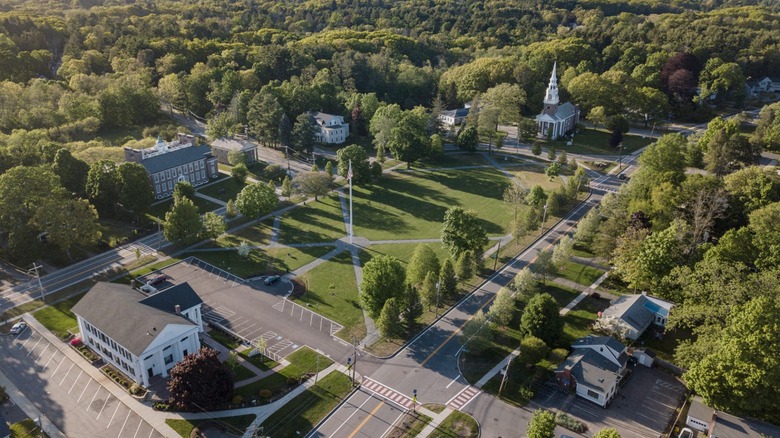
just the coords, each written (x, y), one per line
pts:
(413, 307)
(329, 168)
(428, 291)
(389, 322)
(464, 268)
(287, 187)
(447, 280)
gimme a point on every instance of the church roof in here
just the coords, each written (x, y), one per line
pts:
(565, 111)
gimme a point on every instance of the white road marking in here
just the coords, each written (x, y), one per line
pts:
(49, 361)
(104, 406)
(453, 381)
(83, 391)
(356, 411)
(33, 347)
(44, 351)
(57, 369)
(75, 381)
(66, 374)
(112, 417)
(139, 427)
(392, 425)
(151, 432)
(125, 423)
(94, 397)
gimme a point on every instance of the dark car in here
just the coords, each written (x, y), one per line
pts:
(622, 176)
(157, 279)
(272, 279)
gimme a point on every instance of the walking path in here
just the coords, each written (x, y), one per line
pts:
(211, 199)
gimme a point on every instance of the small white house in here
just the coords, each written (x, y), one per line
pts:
(454, 117)
(594, 368)
(142, 336)
(330, 128)
(638, 312)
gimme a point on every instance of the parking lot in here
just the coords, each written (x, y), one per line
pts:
(252, 310)
(62, 387)
(642, 408)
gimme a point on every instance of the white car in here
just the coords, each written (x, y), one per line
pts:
(148, 288)
(18, 327)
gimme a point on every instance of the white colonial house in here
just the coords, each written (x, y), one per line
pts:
(594, 368)
(638, 312)
(556, 120)
(451, 118)
(330, 128)
(142, 336)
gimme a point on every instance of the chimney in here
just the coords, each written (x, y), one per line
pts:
(177, 308)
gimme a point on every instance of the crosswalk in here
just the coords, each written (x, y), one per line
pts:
(463, 398)
(387, 393)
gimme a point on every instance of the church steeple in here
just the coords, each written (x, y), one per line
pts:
(551, 98)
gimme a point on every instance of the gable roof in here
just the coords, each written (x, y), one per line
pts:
(699, 410)
(181, 294)
(637, 310)
(231, 144)
(323, 118)
(174, 158)
(118, 311)
(591, 369)
(730, 426)
(456, 113)
(565, 111)
(613, 346)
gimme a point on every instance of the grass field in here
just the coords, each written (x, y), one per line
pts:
(302, 361)
(596, 142)
(27, 428)
(235, 425)
(453, 160)
(300, 415)
(530, 179)
(319, 221)
(582, 274)
(224, 190)
(401, 251)
(332, 292)
(261, 262)
(58, 318)
(411, 205)
(579, 319)
(255, 235)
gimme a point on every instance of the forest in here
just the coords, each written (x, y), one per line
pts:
(80, 79)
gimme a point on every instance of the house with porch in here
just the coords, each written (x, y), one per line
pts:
(170, 162)
(142, 336)
(330, 128)
(594, 368)
(638, 312)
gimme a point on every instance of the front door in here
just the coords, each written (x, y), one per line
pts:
(150, 371)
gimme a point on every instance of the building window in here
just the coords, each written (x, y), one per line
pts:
(155, 178)
(184, 339)
(593, 394)
(203, 174)
(169, 359)
(170, 185)
(190, 167)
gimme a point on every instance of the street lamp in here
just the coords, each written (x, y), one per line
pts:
(620, 160)
(544, 216)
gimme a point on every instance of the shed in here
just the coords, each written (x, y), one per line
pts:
(645, 357)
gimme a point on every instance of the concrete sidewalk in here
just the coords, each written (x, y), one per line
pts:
(28, 407)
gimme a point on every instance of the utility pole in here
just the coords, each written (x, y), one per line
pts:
(38, 276)
(354, 366)
(318, 369)
(438, 296)
(544, 218)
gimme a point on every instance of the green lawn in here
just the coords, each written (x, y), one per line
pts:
(235, 425)
(302, 361)
(58, 318)
(158, 210)
(261, 262)
(531, 178)
(665, 346)
(241, 372)
(319, 221)
(332, 292)
(411, 205)
(563, 295)
(582, 274)
(578, 320)
(26, 428)
(457, 424)
(224, 190)
(257, 234)
(401, 251)
(596, 142)
(300, 415)
(231, 343)
(451, 160)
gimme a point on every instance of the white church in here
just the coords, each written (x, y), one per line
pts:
(555, 120)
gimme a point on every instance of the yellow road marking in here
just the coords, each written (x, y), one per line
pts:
(365, 420)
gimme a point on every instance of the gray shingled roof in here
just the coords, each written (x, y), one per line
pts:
(175, 158)
(231, 144)
(325, 118)
(460, 112)
(591, 369)
(631, 309)
(116, 310)
(699, 411)
(181, 294)
(565, 111)
(607, 341)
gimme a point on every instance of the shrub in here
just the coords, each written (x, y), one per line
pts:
(558, 355)
(136, 389)
(3, 394)
(292, 380)
(161, 406)
(563, 420)
(265, 393)
(76, 342)
(275, 172)
(237, 399)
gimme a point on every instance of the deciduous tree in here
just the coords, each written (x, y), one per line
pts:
(213, 225)
(256, 200)
(183, 223)
(532, 350)
(477, 334)
(447, 280)
(389, 322)
(68, 222)
(200, 382)
(422, 262)
(542, 425)
(541, 318)
(361, 172)
(463, 231)
(313, 183)
(503, 307)
(383, 278)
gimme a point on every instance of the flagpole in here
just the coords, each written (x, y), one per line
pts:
(350, 202)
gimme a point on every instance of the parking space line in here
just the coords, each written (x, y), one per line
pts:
(84, 390)
(26, 340)
(58, 368)
(49, 361)
(139, 427)
(33, 347)
(125, 423)
(104, 406)
(93, 398)
(75, 381)
(151, 432)
(41, 355)
(66, 374)
(112, 417)
(312, 319)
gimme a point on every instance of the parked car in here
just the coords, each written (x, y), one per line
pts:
(18, 327)
(686, 433)
(272, 279)
(157, 279)
(148, 288)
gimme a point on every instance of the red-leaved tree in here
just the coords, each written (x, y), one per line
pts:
(200, 382)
